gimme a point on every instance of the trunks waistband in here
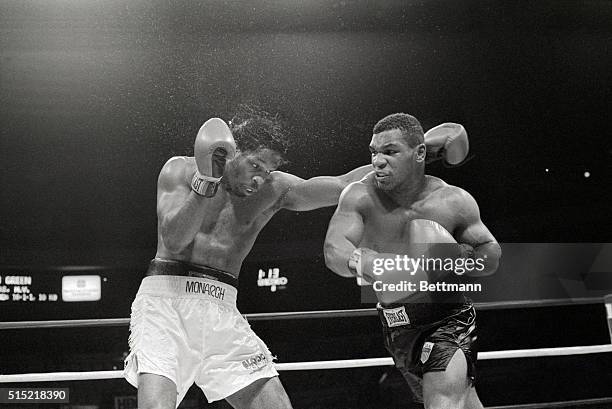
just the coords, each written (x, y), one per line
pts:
(188, 287)
(163, 267)
(418, 314)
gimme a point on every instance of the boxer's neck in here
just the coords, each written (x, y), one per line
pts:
(409, 191)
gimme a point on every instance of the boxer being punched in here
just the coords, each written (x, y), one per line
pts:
(400, 211)
(185, 327)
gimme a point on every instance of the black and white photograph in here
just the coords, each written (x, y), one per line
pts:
(309, 204)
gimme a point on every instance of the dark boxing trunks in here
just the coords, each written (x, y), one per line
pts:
(424, 337)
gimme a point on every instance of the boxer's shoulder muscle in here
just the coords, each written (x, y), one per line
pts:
(458, 200)
(282, 179)
(359, 194)
(281, 182)
(274, 191)
(176, 171)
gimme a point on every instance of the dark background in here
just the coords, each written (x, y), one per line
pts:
(96, 96)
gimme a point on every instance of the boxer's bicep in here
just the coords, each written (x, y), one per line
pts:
(171, 188)
(346, 227)
(344, 234)
(168, 202)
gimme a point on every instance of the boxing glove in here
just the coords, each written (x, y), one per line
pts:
(448, 141)
(434, 241)
(214, 145)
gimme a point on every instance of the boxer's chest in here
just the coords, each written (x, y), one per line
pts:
(240, 216)
(389, 228)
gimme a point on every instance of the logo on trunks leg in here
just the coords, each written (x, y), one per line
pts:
(272, 279)
(426, 351)
(255, 362)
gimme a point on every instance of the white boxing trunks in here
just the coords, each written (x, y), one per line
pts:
(188, 329)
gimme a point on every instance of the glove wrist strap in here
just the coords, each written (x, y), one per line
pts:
(205, 186)
(354, 263)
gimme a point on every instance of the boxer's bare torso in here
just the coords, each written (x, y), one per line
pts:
(385, 222)
(231, 223)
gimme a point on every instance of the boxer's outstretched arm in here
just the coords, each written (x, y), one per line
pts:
(473, 232)
(344, 232)
(320, 191)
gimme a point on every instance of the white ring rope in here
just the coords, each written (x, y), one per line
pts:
(302, 366)
(570, 404)
(265, 316)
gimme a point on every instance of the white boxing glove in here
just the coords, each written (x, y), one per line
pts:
(448, 141)
(214, 145)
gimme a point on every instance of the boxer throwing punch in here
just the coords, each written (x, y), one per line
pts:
(399, 211)
(185, 327)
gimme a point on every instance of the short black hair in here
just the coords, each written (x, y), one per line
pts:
(255, 129)
(409, 125)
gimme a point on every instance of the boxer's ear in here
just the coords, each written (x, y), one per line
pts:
(421, 152)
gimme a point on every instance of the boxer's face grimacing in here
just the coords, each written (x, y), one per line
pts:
(248, 172)
(393, 159)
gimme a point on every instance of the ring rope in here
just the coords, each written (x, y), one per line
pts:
(314, 365)
(264, 316)
(566, 404)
